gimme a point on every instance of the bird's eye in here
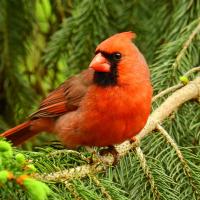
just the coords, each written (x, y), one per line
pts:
(117, 56)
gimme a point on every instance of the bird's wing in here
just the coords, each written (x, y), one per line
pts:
(66, 97)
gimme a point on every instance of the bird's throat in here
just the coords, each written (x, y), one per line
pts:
(105, 79)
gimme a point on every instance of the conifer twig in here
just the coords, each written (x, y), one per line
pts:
(191, 71)
(149, 176)
(186, 44)
(186, 168)
(175, 87)
(168, 90)
(72, 190)
(188, 92)
(103, 190)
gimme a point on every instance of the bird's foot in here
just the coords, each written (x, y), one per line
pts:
(102, 153)
(110, 150)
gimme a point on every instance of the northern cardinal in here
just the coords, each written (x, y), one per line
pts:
(104, 105)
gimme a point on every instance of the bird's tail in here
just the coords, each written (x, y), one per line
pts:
(20, 133)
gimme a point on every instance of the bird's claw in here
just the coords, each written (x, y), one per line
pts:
(110, 150)
(103, 152)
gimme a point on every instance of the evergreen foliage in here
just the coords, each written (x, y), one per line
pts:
(15, 174)
(43, 42)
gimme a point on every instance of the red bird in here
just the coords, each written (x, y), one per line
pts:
(102, 106)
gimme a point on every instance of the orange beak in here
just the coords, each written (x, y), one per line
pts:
(100, 64)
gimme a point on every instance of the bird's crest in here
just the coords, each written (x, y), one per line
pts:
(126, 35)
(118, 42)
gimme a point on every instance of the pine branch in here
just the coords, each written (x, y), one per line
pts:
(103, 190)
(188, 92)
(175, 87)
(180, 156)
(186, 45)
(147, 172)
(176, 51)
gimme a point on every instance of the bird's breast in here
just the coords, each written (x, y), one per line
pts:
(112, 115)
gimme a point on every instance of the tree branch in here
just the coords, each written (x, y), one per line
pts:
(188, 92)
(176, 87)
(147, 171)
(187, 44)
(179, 154)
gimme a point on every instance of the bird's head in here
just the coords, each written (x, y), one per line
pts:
(116, 58)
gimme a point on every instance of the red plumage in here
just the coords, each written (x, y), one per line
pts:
(104, 105)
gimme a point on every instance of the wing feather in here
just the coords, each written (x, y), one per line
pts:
(66, 97)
